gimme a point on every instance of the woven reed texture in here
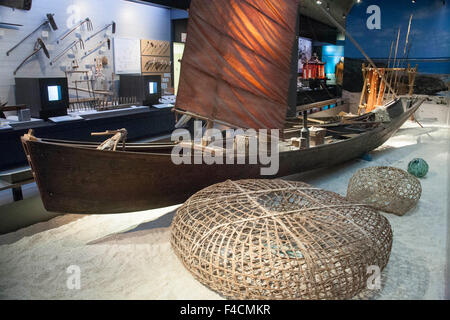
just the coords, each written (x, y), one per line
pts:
(387, 189)
(275, 239)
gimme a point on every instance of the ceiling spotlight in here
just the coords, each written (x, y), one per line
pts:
(413, 1)
(319, 2)
(328, 7)
(358, 1)
(344, 16)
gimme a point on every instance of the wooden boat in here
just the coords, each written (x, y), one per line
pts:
(237, 70)
(77, 178)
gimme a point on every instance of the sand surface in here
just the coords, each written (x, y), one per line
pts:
(128, 256)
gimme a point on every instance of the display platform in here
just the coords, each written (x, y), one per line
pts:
(133, 250)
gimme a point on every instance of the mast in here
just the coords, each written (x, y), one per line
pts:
(407, 35)
(405, 57)
(395, 59)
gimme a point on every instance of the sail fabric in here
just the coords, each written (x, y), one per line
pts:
(236, 66)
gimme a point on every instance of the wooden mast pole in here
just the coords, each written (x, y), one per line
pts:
(404, 50)
(387, 73)
(407, 35)
(395, 58)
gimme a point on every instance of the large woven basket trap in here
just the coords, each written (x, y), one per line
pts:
(385, 188)
(274, 239)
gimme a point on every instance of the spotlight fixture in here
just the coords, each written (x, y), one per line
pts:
(328, 7)
(319, 2)
(344, 16)
(358, 1)
(413, 1)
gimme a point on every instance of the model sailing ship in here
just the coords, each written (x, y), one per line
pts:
(236, 72)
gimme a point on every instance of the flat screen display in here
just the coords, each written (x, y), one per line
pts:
(153, 87)
(54, 93)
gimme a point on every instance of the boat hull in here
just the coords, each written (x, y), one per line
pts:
(88, 181)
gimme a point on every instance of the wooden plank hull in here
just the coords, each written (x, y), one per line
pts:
(83, 180)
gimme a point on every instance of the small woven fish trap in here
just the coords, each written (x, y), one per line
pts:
(275, 239)
(386, 189)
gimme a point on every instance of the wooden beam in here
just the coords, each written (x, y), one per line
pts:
(319, 104)
(105, 93)
(196, 116)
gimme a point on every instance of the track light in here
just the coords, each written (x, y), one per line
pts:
(319, 2)
(413, 1)
(328, 7)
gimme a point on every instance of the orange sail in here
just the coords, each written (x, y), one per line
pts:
(236, 66)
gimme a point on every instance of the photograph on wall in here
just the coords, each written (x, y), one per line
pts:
(304, 52)
(127, 56)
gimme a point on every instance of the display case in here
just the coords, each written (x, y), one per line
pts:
(145, 88)
(46, 97)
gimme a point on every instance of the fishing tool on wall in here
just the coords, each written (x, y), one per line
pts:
(50, 21)
(8, 25)
(163, 48)
(40, 45)
(107, 41)
(72, 45)
(86, 22)
(113, 30)
(74, 64)
(148, 46)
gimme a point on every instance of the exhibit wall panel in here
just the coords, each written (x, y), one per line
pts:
(331, 55)
(375, 23)
(134, 21)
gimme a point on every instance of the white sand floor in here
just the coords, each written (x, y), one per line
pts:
(128, 256)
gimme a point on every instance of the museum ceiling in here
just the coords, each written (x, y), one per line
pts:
(338, 8)
(307, 8)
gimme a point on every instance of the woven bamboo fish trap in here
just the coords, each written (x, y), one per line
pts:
(274, 239)
(386, 189)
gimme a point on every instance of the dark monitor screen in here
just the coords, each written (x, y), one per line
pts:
(152, 89)
(54, 93)
(46, 97)
(147, 89)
